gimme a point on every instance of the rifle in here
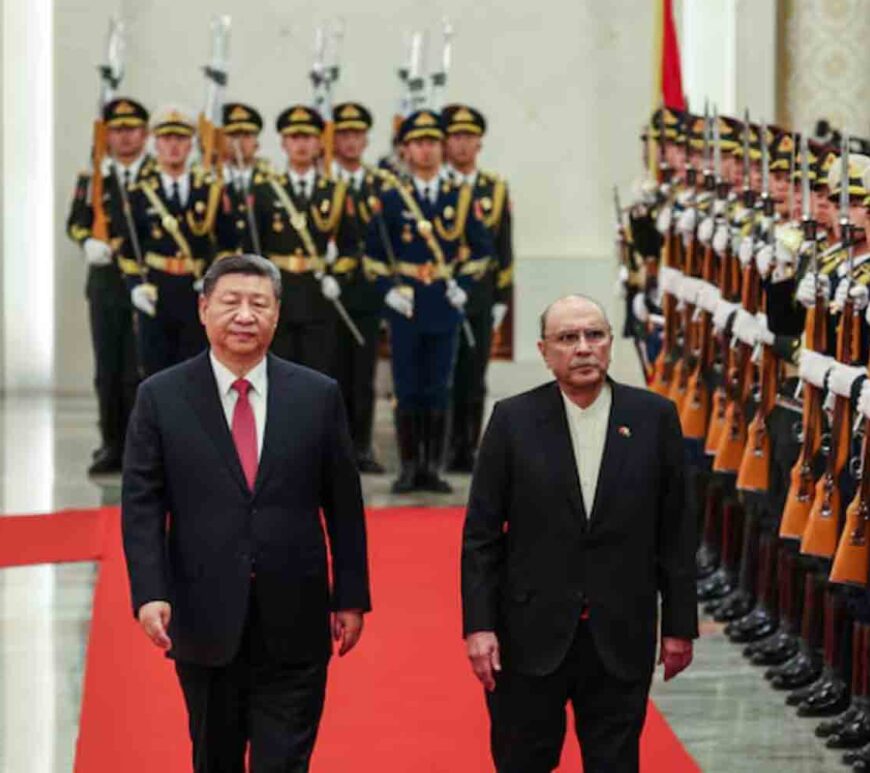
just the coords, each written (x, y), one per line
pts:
(663, 366)
(799, 500)
(111, 73)
(211, 136)
(754, 471)
(822, 532)
(439, 77)
(249, 198)
(416, 80)
(323, 78)
(695, 414)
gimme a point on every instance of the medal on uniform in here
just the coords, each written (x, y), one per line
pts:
(199, 207)
(277, 225)
(449, 212)
(156, 233)
(324, 206)
(240, 224)
(486, 202)
(407, 236)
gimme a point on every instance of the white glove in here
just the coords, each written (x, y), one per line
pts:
(144, 298)
(721, 237)
(806, 289)
(858, 294)
(456, 295)
(622, 282)
(763, 334)
(670, 279)
(97, 252)
(399, 302)
(744, 328)
(330, 288)
(723, 310)
(198, 285)
(689, 289)
(331, 253)
(843, 377)
(708, 297)
(499, 312)
(736, 240)
(686, 221)
(639, 308)
(864, 399)
(745, 252)
(686, 197)
(719, 207)
(814, 367)
(764, 260)
(663, 219)
(705, 230)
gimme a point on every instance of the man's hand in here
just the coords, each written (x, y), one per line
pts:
(676, 654)
(347, 627)
(154, 619)
(485, 657)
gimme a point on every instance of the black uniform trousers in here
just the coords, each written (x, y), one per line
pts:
(275, 706)
(115, 364)
(527, 714)
(355, 372)
(469, 376)
(309, 343)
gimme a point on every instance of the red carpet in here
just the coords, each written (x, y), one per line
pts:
(404, 700)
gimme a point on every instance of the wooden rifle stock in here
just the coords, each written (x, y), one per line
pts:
(211, 143)
(695, 413)
(728, 285)
(821, 533)
(851, 558)
(328, 140)
(100, 223)
(663, 369)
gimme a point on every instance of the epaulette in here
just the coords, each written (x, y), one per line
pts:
(493, 177)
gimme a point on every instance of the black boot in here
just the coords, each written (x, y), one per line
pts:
(773, 650)
(830, 698)
(756, 626)
(798, 673)
(460, 449)
(366, 462)
(855, 732)
(407, 433)
(830, 727)
(733, 607)
(435, 427)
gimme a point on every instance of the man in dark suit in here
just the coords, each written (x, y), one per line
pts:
(576, 524)
(231, 457)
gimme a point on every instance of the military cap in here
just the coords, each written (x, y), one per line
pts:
(238, 118)
(673, 120)
(458, 119)
(299, 119)
(858, 168)
(812, 162)
(754, 142)
(172, 119)
(124, 112)
(729, 133)
(351, 116)
(782, 151)
(696, 132)
(420, 124)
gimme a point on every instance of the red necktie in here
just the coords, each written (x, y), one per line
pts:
(245, 431)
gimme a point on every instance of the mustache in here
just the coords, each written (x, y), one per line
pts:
(584, 362)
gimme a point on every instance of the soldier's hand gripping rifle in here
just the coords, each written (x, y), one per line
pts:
(799, 499)
(754, 472)
(211, 136)
(439, 77)
(111, 73)
(822, 531)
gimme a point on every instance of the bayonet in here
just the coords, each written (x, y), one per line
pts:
(112, 70)
(717, 147)
(791, 168)
(845, 225)
(416, 79)
(439, 78)
(747, 189)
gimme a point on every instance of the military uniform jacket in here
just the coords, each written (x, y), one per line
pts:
(283, 244)
(104, 281)
(491, 279)
(457, 229)
(360, 293)
(190, 252)
(233, 228)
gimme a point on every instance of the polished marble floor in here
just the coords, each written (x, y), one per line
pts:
(721, 709)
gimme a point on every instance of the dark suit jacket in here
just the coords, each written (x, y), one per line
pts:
(531, 558)
(194, 532)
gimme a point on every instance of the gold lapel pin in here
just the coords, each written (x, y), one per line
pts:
(624, 431)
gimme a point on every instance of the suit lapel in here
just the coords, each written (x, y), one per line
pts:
(614, 452)
(202, 394)
(277, 420)
(561, 449)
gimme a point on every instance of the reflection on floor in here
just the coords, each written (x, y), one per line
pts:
(721, 709)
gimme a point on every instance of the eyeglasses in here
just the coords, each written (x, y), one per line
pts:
(570, 338)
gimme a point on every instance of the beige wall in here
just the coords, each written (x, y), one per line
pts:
(564, 83)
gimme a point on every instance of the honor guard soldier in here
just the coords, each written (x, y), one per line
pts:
(364, 300)
(111, 317)
(299, 216)
(174, 211)
(432, 229)
(489, 288)
(242, 168)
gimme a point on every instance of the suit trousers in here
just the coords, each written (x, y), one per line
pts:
(274, 706)
(527, 714)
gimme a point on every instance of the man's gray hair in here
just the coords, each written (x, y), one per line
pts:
(578, 296)
(250, 264)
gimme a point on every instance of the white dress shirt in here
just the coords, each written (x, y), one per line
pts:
(303, 182)
(131, 169)
(239, 178)
(257, 394)
(588, 427)
(462, 179)
(183, 181)
(428, 189)
(354, 179)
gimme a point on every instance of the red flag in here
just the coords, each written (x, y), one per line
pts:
(671, 77)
